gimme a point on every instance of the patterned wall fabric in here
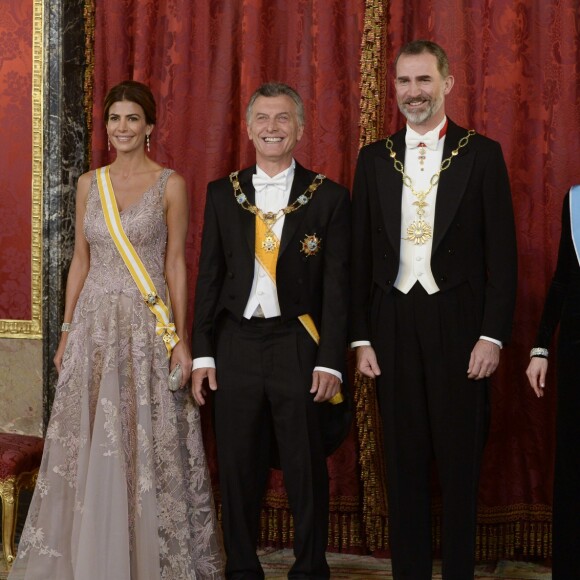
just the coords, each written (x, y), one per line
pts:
(203, 60)
(15, 158)
(516, 70)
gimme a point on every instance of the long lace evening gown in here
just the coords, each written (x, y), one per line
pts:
(123, 491)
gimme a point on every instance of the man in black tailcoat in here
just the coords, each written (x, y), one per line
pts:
(270, 330)
(434, 280)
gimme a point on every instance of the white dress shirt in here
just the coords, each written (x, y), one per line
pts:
(263, 299)
(415, 259)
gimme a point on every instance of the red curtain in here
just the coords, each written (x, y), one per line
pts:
(203, 60)
(517, 80)
(16, 160)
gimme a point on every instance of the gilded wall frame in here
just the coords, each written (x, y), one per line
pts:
(33, 328)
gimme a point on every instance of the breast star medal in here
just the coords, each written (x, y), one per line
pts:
(311, 245)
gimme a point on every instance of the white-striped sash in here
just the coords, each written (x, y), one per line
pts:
(164, 327)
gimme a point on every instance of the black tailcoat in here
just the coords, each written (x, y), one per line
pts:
(264, 368)
(423, 342)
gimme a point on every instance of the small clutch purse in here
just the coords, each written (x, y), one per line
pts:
(175, 378)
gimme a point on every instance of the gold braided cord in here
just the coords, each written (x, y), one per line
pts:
(371, 460)
(373, 70)
(89, 18)
(369, 430)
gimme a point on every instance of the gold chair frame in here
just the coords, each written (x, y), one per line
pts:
(10, 489)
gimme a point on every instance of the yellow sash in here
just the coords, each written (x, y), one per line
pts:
(268, 261)
(164, 327)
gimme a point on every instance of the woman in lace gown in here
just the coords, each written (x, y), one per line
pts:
(123, 491)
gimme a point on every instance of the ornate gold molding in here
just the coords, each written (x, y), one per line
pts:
(33, 328)
(10, 488)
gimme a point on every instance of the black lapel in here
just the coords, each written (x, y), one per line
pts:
(390, 187)
(302, 179)
(247, 219)
(452, 182)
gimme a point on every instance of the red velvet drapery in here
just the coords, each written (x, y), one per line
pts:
(203, 60)
(516, 69)
(517, 80)
(16, 160)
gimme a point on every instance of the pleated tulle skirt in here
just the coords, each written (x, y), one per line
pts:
(123, 491)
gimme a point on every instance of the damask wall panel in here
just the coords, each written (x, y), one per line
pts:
(15, 158)
(50, 97)
(516, 72)
(20, 216)
(20, 168)
(516, 67)
(203, 60)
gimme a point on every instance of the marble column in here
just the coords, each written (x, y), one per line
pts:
(65, 158)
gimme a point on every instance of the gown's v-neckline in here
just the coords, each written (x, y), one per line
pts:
(140, 200)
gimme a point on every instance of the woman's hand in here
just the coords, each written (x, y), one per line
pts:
(180, 355)
(57, 360)
(536, 373)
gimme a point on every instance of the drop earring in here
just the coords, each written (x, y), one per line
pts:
(148, 143)
(108, 145)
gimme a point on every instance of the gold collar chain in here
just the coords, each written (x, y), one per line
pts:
(270, 218)
(419, 231)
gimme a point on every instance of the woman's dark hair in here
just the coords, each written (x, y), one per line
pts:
(135, 92)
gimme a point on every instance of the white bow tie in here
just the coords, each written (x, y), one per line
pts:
(261, 182)
(430, 140)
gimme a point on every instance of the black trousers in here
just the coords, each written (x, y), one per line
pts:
(566, 509)
(430, 410)
(264, 375)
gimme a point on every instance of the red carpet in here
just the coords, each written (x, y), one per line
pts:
(342, 566)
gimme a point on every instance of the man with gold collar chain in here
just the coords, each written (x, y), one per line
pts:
(434, 260)
(270, 331)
